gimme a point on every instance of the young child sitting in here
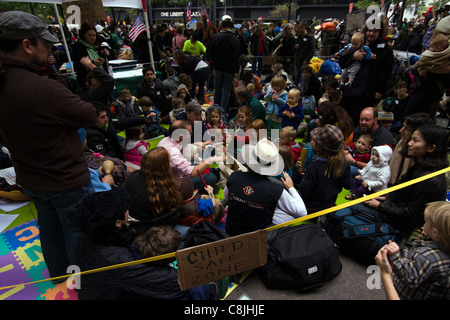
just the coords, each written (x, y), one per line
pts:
(290, 166)
(183, 93)
(375, 176)
(397, 105)
(127, 105)
(161, 240)
(276, 97)
(357, 44)
(152, 129)
(252, 82)
(197, 207)
(332, 93)
(328, 172)
(178, 107)
(292, 112)
(420, 272)
(134, 146)
(215, 123)
(358, 154)
(244, 118)
(287, 138)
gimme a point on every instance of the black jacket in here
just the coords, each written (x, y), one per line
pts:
(139, 281)
(223, 51)
(404, 208)
(103, 141)
(306, 50)
(374, 75)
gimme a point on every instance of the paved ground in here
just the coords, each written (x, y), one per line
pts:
(350, 284)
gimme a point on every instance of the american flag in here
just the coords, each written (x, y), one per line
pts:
(188, 12)
(137, 29)
(204, 13)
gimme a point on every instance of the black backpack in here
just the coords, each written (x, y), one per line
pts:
(203, 232)
(302, 257)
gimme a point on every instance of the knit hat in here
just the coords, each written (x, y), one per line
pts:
(329, 137)
(99, 211)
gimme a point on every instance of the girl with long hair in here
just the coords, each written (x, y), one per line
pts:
(328, 172)
(153, 189)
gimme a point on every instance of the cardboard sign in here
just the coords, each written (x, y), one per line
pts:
(91, 11)
(216, 260)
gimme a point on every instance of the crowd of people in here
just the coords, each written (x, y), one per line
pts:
(59, 142)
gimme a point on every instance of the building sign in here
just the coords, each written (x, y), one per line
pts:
(174, 15)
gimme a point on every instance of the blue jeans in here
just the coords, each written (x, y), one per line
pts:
(223, 81)
(58, 228)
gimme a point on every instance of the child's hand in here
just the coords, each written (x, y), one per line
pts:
(287, 181)
(392, 248)
(210, 191)
(382, 261)
(374, 56)
(365, 184)
(358, 177)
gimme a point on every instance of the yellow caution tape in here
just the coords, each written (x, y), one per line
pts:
(310, 216)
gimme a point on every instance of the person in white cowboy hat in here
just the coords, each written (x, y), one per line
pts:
(256, 202)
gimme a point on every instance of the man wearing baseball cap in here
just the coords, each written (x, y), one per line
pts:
(39, 121)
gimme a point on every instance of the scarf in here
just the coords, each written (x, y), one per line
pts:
(91, 50)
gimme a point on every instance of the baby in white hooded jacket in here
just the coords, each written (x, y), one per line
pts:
(375, 176)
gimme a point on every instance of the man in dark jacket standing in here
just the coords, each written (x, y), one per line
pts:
(39, 121)
(223, 52)
(305, 48)
(370, 83)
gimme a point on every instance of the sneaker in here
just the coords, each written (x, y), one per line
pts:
(348, 84)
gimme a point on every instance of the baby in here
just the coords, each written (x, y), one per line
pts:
(359, 151)
(437, 57)
(349, 73)
(375, 176)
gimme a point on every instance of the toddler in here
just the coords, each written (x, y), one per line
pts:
(276, 97)
(178, 107)
(375, 176)
(287, 138)
(437, 56)
(358, 154)
(357, 44)
(151, 129)
(292, 112)
(420, 272)
(127, 105)
(134, 146)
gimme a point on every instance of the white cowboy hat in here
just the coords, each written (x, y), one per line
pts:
(263, 158)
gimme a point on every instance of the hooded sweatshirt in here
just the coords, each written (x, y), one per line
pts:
(377, 175)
